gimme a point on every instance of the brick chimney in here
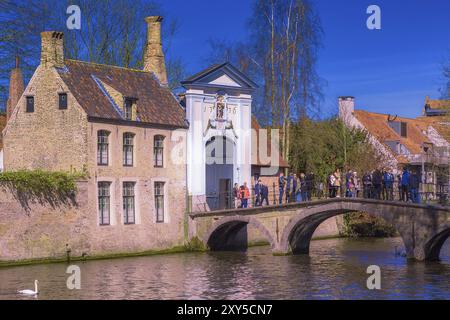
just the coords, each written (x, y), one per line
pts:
(52, 50)
(154, 56)
(346, 107)
(16, 88)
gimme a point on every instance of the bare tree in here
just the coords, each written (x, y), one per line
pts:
(286, 37)
(112, 32)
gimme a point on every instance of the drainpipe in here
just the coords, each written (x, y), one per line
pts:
(188, 207)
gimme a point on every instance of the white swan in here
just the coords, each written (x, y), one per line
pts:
(31, 292)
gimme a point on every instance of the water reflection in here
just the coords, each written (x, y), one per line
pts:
(335, 269)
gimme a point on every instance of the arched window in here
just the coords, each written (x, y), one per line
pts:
(128, 149)
(158, 151)
(102, 148)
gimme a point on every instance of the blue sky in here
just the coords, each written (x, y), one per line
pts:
(389, 70)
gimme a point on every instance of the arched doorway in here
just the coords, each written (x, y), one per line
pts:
(219, 172)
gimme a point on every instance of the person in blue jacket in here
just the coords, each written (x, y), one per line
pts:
(405, 185)
(414, 184)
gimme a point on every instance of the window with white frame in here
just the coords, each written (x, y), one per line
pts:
(159, 201)
(104, 204)
(158, 151)
(102, 147)
(128, 141)
(128, 203)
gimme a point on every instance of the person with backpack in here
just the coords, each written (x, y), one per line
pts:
(377, 180)
(367, 185)
(264, 194)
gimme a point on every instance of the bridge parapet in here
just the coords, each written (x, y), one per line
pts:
(289, 227)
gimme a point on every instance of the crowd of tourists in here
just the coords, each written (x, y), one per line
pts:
(376, 184)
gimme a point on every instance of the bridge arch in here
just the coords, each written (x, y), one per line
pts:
(434, 245)
(297, 234)
(230, 233)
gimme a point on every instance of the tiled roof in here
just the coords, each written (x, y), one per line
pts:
(155, 104)
(255, 125)
(377, 125)
(441, 124)
(437, 104)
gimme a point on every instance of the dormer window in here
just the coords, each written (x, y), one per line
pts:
(128, 109)
(401, 128)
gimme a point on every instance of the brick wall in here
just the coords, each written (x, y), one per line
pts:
(47, 138)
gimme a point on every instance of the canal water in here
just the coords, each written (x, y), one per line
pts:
(335, 269)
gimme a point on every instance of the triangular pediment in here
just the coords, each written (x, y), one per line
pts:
(221, 76)
(225, 80)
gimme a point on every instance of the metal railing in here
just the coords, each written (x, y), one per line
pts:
(427, 193)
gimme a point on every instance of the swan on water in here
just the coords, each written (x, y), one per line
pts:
(31, 292)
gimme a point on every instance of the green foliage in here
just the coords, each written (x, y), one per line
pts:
(359, 224)
(323, 146)
(195, 244)
(44, 187)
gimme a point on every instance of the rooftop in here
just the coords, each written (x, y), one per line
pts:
(155, 103)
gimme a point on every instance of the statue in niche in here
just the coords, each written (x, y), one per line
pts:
(220, 108)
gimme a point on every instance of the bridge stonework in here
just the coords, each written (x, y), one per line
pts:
(289, 228)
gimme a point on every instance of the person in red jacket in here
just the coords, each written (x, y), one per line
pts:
(245, 195)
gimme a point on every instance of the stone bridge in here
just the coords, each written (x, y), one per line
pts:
(289, 228)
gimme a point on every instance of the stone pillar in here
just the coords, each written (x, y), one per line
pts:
(154, 56)
(52, 50)
(16, 88)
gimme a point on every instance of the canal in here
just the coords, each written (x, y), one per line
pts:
(335, 269)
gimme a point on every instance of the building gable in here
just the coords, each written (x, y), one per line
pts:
(220, 76)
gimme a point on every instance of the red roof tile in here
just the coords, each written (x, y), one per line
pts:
(155, 104)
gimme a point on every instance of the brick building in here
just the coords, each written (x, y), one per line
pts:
(419, 144)
(127, 131)
(116, 124)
